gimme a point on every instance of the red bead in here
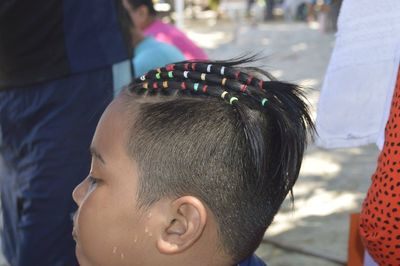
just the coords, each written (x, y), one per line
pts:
(237, 74)
(249, 80)
(261, 84)
(170, 67)
(183, 86)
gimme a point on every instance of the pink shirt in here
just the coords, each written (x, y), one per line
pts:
(168, 33)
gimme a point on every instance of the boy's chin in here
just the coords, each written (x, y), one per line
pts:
(80, 257)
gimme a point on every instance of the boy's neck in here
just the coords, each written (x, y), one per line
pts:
(206, 251)
(204, 260)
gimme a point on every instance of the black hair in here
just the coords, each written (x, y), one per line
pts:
(148, 3)
(215, 131)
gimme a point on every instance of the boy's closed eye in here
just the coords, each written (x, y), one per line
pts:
(93, 181)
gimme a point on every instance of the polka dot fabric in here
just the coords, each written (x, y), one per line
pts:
(380, 215)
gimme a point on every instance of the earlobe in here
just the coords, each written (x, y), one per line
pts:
(186, 226)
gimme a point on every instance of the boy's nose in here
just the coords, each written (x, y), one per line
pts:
(79, 192)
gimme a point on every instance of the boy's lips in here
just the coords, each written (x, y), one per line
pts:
(74, 235)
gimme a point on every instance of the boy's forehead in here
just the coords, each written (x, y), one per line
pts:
(113, 127)
(122, 109)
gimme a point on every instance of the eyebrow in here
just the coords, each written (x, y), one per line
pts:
(96, 154)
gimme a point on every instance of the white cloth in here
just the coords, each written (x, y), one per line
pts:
(358, 86)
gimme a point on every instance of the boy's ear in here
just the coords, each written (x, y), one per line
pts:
(186, 225)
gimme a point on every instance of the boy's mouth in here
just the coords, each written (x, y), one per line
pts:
(74, 235)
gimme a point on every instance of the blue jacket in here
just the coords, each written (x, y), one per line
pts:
(47, 39)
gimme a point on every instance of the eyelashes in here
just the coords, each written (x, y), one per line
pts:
(93, 181)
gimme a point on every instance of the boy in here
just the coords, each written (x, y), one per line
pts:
(189, 166)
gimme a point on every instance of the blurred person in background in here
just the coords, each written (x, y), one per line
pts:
(324, 6)
(326, 12)
(56, 79)
(269, 10)
(144, 16)
(148, 53)
(250, 3)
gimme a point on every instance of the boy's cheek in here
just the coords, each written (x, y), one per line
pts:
(110, 228)
(109, 243)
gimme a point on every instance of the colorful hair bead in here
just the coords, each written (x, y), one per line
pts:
(243, 88)
(209, 68)
(222, 71)
(249, 79)
(145, 85)
(159, 70)
(165, 84)
(203, 76)
(196, 86)
(237, 74)
(261, 84)
(158, 75)
(186, 66)
(223, 82)
(170, 74)
(204, 89)
(170, 67)
(232, 100)
(194, 66)
(143, 77)
(183, 86)
(155, 85)
(224, 94)
(185, 74)
(264, 101)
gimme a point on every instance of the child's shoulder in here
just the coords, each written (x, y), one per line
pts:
(252, 261)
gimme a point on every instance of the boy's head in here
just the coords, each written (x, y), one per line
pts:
(189, 167)
(141, 12)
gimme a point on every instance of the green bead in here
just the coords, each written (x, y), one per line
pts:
(264, 101)
(233, 99)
